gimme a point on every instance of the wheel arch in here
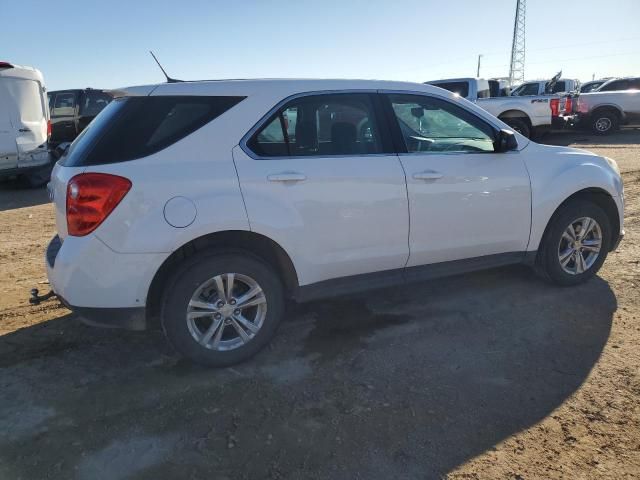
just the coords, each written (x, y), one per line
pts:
(596, 195)
(515, 113)
(229, 241)
(608, 107)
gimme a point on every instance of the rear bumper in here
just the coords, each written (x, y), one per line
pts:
(126, 318)
(101, 286)
(37, 163)
(563, 121)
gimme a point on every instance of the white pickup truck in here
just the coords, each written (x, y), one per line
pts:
(546, 87)
(605, 111)
(528, 115)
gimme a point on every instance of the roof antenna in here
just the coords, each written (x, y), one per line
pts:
(169, 79)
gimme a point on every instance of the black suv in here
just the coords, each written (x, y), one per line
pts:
(72, 110)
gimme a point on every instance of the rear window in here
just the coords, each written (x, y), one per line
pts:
(136, 127)
(461, 88)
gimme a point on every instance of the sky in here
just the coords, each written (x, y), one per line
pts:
(78, 44)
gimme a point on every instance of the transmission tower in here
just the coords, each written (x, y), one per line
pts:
(516, 71)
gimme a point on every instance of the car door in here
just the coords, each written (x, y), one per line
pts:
(465, 200)
(319, 176)
(63, 114)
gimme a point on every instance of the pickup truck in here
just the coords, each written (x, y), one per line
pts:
(546, 87)
(72, 110)
(529, 116)
(605, 111)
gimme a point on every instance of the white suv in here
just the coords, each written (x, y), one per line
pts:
(200, 207)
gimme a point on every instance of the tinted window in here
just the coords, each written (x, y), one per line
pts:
(431, 125)
(320, 125)
(461, 88)
(135, 127)
(484, 93)
(614, 86)
(93, 103)
(64, 104)
(590, 87)
(559, 87)
(526, 89)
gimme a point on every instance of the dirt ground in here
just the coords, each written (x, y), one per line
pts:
(494, 375)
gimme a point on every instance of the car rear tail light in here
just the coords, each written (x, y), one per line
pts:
(48, 129)
(555, 106)
(91, 197)
(568, 105)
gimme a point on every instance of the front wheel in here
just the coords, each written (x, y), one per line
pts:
(575, 244)
(221, 309)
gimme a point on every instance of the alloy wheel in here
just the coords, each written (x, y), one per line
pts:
(580, 245)
(226, 311)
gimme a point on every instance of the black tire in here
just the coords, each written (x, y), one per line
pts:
(37, 179)
(195, 271)
(519, 126)
(547, 261)
(605, 122)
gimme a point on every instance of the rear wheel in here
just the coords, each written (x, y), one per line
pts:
(37, 179)
(220, 309)
(575, 244)
(519, 126)
(604, 122)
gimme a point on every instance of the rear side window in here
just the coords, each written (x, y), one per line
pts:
(136, 127)
(615, 86)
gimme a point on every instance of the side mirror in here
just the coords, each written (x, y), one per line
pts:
(505, 141)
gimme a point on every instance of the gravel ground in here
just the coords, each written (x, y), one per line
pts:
(490, 375)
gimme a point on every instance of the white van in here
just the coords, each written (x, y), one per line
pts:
(24, 124)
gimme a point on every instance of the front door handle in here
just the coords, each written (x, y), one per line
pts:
(287, 177)
(428, 175)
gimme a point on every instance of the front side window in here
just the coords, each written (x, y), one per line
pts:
(320, 125)
(64, 105)
(431, 125)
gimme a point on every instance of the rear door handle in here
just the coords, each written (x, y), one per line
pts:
(287, 177)
(428, 175)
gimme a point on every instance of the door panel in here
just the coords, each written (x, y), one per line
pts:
(465, 200)
(339, 216)
(479, 204)
(316, 180)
